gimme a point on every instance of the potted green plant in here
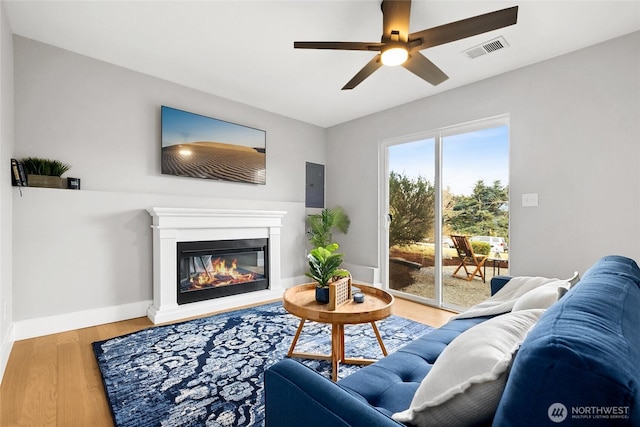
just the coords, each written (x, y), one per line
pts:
(322, 225)
(44, 172)
(324, 267)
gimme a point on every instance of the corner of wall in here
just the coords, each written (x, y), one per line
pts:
(5, 350)
(6, 204)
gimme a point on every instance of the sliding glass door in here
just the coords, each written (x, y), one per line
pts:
(451, 182)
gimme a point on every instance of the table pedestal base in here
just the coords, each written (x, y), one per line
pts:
(337, 348)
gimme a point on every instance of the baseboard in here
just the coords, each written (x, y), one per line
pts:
(30, 328)
(5, 351)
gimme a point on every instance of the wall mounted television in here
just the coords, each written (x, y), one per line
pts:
(203, 147)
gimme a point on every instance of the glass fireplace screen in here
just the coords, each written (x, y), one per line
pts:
(214, 269)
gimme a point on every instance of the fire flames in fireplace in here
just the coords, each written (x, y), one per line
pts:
(220, 268)
(216, 272)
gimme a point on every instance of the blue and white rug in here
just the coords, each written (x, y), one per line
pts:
(209, 371)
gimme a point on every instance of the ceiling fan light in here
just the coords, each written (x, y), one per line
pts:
(394, 56)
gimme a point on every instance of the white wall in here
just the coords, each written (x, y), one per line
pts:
(6, 148)
(575, 133)
(574, 140)
(91, 249)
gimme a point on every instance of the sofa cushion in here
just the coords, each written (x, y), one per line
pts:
(541, 297)
(465, 384)
(390, 383)
(503, 300)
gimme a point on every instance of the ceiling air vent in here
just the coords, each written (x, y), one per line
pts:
(487, 47)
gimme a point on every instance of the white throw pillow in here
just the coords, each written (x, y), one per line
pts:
(573, 280)
(541, 297)
(466, 382)
(503, 300)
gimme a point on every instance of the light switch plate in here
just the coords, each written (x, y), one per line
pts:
(530, 199)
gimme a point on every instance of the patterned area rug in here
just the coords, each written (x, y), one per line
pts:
(209, 371)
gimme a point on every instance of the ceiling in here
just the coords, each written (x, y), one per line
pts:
(243, 50)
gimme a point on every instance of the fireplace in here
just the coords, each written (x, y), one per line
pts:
(220, 268)
(190, 243)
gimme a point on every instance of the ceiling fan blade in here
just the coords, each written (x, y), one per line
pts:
(366, 71)
(339, 45)
(419, 65)
(395, 19)
(464, 28)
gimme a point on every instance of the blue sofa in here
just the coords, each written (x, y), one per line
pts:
(580, 363)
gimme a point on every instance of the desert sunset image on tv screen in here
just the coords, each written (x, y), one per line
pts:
(203, 147)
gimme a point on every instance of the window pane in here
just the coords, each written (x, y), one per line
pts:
(412, 207)
(475, 174)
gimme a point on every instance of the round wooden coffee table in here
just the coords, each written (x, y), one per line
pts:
(301, 302)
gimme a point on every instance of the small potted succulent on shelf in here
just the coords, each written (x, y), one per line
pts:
(324, 267)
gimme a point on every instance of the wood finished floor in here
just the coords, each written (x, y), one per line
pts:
(54, 380)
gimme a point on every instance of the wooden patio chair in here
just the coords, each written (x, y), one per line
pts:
(468, 258)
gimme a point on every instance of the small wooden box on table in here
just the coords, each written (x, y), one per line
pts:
(301, 302)
(339, 292)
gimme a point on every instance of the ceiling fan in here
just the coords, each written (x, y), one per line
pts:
(398, 47)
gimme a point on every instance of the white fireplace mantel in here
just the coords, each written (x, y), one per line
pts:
(173, 225)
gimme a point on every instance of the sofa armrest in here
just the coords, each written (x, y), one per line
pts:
(497, 282)
(295, 395)
(581, 358)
